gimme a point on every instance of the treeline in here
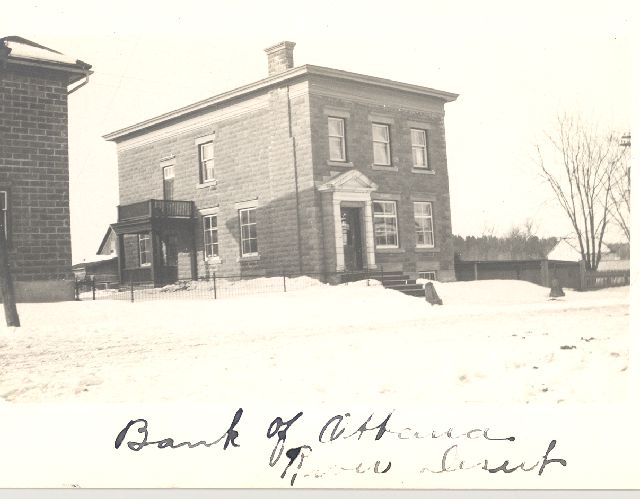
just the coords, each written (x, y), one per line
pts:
(517, 245)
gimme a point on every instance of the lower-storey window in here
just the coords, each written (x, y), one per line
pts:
(144, 247)
(428, 274)
(248, 232)
(210, 224)
(423, 216)
(385, 224)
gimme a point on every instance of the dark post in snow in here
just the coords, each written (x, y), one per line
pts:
(431, 295)
(6, 284)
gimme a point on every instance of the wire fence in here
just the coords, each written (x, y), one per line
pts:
(218, 286)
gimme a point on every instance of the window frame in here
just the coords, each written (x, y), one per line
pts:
(421, 229)
(343, 138)
(425, 148)
(4, 209)
(248, 224)
(147, 249)
(204, 163)
(382, 217)
(211, 231)
(422, 276)
(386, 143)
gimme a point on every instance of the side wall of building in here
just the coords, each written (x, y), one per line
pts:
(34, 172)
(262, 153)
(360, 106)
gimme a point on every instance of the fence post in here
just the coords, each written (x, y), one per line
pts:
(77, 291)
(93, 287)
(381, 275)
(284, 281)
(131, 288)
(215, 289)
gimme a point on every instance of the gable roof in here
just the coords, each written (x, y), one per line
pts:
(276, 79)
(18, 50)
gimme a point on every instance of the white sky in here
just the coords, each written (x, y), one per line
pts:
(514, 64)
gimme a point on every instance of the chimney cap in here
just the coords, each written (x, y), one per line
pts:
(279, 46)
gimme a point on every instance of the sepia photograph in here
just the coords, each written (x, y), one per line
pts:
(329, 210)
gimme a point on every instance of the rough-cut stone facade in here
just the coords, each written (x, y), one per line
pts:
(271, 152)
(34, 172)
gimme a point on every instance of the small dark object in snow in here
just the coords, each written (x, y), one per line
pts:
(535, 367)
(556, 289)
(587, 339)
(567, 347)
(545, 389)
(430, 294)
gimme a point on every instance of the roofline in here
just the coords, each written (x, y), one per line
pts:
(276, 79)
(78, 71)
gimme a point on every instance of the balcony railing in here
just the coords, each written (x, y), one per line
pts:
(156, 208)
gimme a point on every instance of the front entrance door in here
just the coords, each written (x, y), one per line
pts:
(352, 238)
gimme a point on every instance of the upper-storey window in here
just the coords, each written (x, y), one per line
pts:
(419, 148)
(168, 176)
(337, 148)
(381, 144)
(206, 158)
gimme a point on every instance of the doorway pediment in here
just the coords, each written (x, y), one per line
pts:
(351, 181)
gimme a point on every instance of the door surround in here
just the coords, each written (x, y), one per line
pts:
(346, 188)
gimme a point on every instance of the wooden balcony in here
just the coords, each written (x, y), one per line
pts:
(156, 208)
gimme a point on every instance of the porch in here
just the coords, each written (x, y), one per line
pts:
(156, 241)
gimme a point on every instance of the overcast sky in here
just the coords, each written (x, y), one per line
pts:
(516, 65)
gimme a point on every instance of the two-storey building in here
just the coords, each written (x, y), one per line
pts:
(310, 170)
(34, 166)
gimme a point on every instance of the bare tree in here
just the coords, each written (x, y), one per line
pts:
(580, 163)
(621, 190)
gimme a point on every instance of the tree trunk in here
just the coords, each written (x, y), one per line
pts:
(6, 285)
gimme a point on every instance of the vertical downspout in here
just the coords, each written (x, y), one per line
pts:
(295, 177)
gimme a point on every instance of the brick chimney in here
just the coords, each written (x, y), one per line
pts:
(280, 57)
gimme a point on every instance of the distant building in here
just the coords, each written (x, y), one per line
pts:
(568, 249)
(34, 169)
(311, 170)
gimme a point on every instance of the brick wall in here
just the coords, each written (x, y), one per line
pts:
(34, 169)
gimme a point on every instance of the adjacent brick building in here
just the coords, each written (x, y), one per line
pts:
(311, 170)
(34, 169)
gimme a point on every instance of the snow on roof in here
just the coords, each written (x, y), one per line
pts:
(17, 47)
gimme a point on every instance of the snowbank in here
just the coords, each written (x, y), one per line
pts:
(491, 341)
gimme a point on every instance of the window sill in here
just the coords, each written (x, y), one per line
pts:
(208, 183)
(343, 164)
(248, 258)
(424, 171)
(426, 249)
(387, 168)
(389, 250)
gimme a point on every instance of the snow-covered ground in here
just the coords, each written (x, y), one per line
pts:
(491, 341)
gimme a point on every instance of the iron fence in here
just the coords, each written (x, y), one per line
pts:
(220, 286)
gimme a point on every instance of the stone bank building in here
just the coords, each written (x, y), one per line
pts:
(35, 82)
(310, 170)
